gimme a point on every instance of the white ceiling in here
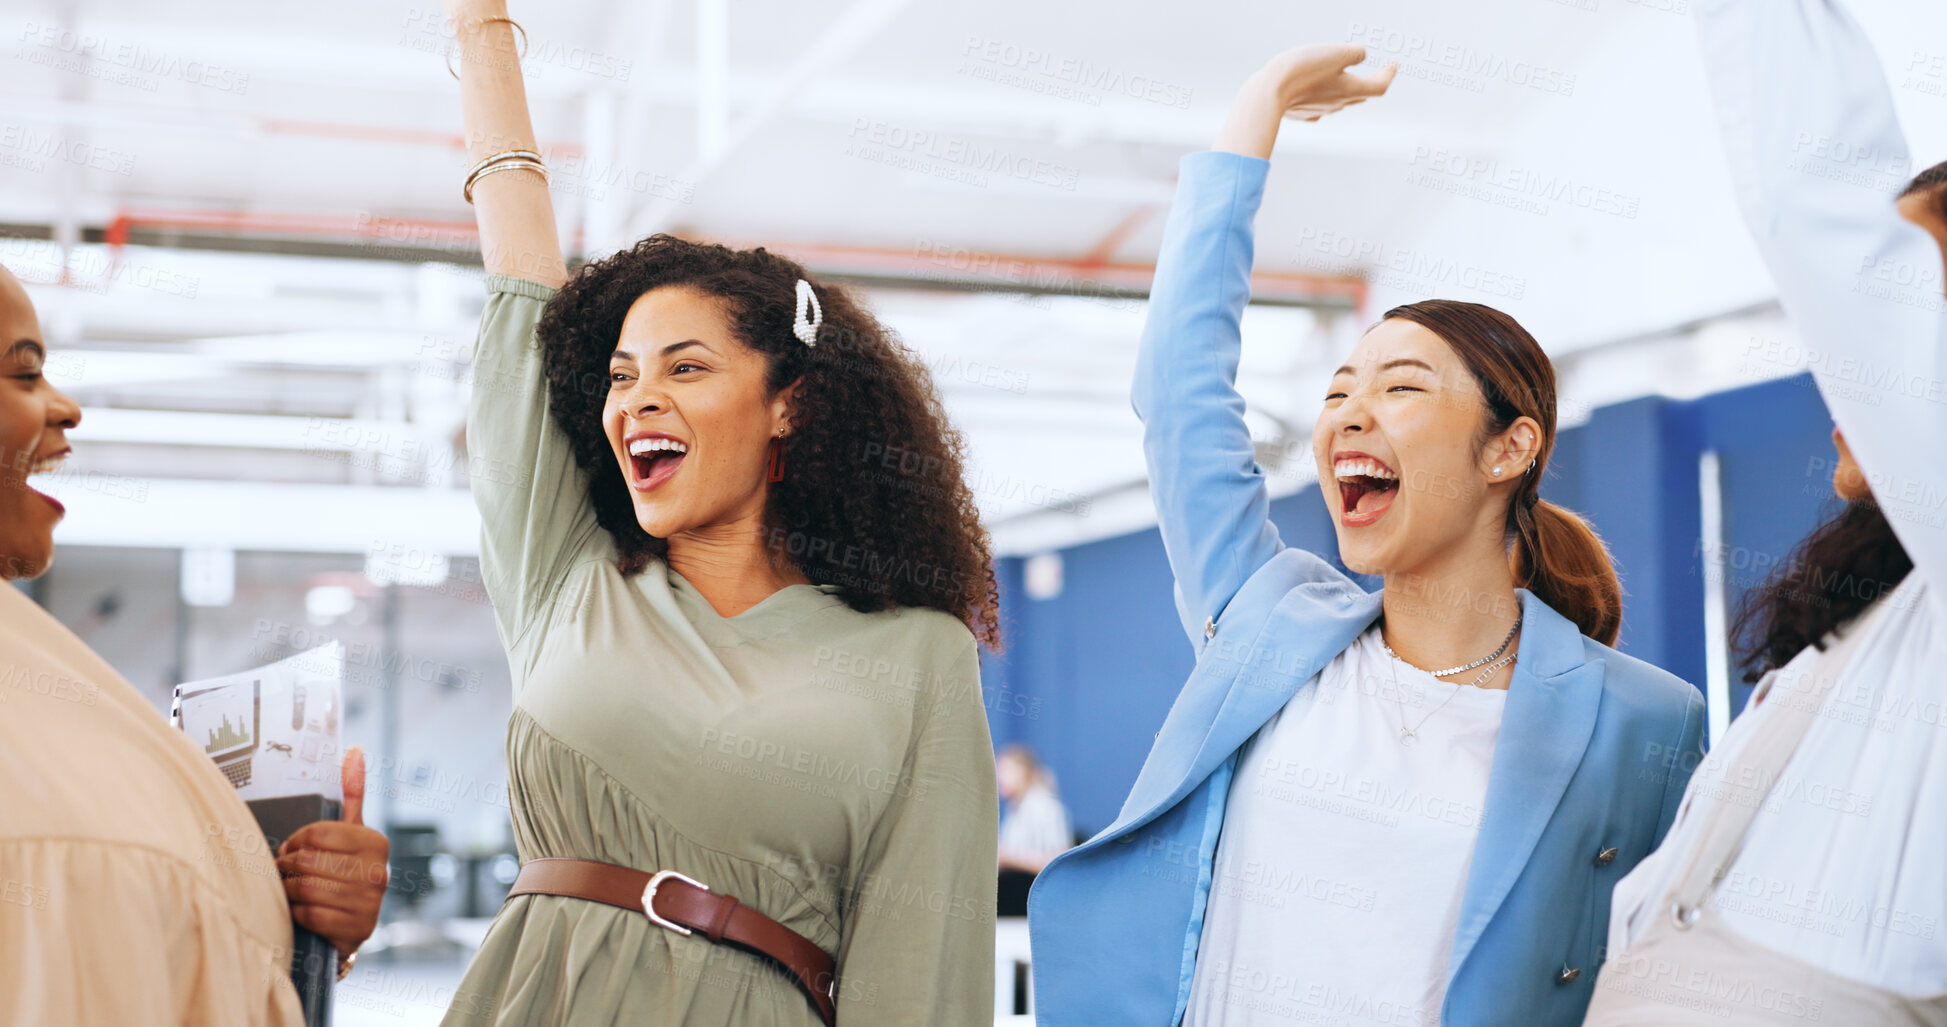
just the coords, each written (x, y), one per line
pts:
(335, 124)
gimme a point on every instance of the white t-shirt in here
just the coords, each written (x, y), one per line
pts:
(1843, 865)
(1344, 851)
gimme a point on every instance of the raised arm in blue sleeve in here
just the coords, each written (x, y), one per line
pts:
(1210, 495)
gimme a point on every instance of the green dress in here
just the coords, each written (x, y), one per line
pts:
(830, 768)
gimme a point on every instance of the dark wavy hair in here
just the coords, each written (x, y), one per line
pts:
(1830, 577)
(873, 498)
(1837, 570)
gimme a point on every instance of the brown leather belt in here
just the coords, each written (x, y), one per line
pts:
(683, 905)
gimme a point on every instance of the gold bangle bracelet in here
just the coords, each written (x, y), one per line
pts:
(495, 158)
(506, 165)
(505, 158)
(520, 52)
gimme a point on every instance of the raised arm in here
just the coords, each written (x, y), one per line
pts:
(1211, 502)
(516, 217)
(1817, 153)
(537, 520)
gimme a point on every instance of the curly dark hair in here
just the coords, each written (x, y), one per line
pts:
(873, 499)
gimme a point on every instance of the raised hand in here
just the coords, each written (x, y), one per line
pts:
(1304, 83)
(335, 870)
(518, 235)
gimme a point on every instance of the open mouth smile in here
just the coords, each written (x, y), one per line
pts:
(1367, 487)
(46, 465)
(654, 458)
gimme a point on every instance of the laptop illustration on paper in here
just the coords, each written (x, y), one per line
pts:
(225, 721)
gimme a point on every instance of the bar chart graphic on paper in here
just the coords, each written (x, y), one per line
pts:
(224, 720)
(227, 737)
(272, 730)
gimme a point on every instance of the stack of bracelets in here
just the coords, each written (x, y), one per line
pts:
(505, 160)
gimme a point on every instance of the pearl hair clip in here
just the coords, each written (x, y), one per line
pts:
(810, 315)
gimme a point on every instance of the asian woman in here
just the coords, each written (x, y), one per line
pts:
(1404, 807)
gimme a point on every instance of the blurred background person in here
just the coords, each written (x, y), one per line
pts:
(1034, 824)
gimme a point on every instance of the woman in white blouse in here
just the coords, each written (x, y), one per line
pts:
(1803, 878)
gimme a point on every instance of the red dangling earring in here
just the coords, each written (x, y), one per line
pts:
(777, 457)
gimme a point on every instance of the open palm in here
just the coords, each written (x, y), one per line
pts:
(1314, 80)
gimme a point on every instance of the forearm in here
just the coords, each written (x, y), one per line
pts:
(1800, 98)
(1251, 127)
(513, 209)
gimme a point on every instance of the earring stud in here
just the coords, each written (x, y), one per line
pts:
(1497, 472)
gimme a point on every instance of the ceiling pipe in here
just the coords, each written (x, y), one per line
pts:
(921, 265)
(929, 263)
(1111, 243)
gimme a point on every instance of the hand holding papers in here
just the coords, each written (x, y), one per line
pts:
(335, 870)
(274, 731)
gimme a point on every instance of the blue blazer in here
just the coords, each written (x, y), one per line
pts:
(1594, 751)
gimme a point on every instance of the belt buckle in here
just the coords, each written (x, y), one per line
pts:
(649, 897)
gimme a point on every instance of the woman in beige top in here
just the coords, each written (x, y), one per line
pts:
(135, 887)
(741, 583)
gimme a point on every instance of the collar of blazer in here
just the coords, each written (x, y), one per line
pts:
(1237, 686)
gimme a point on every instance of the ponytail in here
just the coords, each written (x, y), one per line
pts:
(1559, 558)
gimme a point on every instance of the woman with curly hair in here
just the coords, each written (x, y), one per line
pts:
(742, 583)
